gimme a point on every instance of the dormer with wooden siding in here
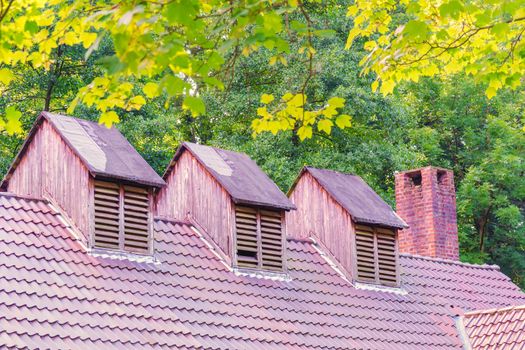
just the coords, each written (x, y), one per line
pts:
(232, 200)
(93, 176)
(350, 221)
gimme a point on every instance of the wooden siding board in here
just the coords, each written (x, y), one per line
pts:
(55, 176)
(320, 216)
(192, 190)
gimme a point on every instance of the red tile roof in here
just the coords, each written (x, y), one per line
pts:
(238, 174)
(53, 294)
(355, 196)
(497, 329)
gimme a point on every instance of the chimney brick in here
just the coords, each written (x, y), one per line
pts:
(426, 200)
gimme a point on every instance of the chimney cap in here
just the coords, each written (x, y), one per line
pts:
(410, 171)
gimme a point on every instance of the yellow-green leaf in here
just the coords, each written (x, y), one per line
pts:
(352, 11)
(343, 121)
(151, 90)
(304, 132)
(490, 92)
(263, 112)
(387, 87)
(70, 38)
(274, 127)
(500, 30)
(108, 118)
(325, 125)
(6, 76)
(194, 104)
(336, 102)
(375, 85)
(136, 102)
(266, 98)
(296, 101)
(13, 125)
(87, 39)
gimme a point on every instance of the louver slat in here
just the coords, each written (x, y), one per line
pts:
(246, 245)
(271, 240)
(136, 220)
(386, 256)
(107, 202)
(365, 254)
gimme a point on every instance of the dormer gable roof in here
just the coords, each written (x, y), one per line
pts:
(363, 204)
(238, 174)
(104, 151)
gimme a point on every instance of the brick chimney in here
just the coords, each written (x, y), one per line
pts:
(426, 200)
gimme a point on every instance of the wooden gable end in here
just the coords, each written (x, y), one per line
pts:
(191, 192)
(319, 216)
(49, 169)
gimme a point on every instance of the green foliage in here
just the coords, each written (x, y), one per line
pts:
(410, 39)
(181, 48)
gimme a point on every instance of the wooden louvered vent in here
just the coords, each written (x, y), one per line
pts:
(247, 237)
(259, 238)
(121, 215)
(376, 255)
(107, 209)
(136, 219)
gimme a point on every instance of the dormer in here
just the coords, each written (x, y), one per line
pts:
(348, 219)
(93, 176)
(240, 209)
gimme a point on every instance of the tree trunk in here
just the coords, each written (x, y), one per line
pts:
(481, 226)
(54, 75)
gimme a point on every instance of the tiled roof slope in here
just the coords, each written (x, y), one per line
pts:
(55, 295)
(497, 329)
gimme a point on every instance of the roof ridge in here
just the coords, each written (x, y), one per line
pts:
(332, 170)
(494, 310)
(451, 262)
(72, 117)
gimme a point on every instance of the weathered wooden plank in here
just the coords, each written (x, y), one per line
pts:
(50, 168)
(318, 215)
(191, 190)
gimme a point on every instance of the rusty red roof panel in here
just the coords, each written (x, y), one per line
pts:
(355, 196)
(53, 294)
(240, 176)
(501, 329)
(104, 151)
